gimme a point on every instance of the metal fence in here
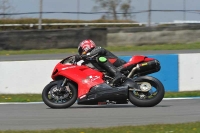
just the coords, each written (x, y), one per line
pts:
(148, 11)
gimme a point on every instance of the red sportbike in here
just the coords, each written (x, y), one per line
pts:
(89, 84)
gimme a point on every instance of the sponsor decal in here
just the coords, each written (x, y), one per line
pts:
(90, 79)
(144, 64)
(94, 78)
(69, 67)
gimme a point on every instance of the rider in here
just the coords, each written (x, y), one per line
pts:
(87, 49)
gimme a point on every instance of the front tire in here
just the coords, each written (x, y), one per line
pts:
(150, 98)
(55, 99)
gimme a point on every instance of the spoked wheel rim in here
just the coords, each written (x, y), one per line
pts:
(149, 91)
(59, 97)
(150, 95)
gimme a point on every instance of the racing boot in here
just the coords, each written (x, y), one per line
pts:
(118, 77)
(112, 70)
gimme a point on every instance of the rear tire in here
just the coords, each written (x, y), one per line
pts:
(146, 100)
(63, 103)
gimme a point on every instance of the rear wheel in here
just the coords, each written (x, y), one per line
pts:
(152, 92)
(54, 98)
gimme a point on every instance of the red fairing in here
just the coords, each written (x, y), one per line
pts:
(148, 59)
(82, 75)
(137, 59)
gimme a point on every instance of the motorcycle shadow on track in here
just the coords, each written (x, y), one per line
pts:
(112, 106)
(115, 106)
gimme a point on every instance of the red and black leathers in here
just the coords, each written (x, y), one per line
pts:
(99, 51)
(110, 65)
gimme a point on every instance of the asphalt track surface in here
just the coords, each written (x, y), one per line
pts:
(37, 116)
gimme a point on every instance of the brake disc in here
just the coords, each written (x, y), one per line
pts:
(56, 94)
(145, 86)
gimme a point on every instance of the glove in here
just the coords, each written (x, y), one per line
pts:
(77, 58)
(84, 56)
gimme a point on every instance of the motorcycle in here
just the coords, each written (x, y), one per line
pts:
(87, 84)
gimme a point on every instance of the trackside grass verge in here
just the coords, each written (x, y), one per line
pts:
(38, 97)
(156, 128)
(111, 48)
(20, 97)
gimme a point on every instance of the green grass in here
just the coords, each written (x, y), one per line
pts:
(111, 48)
(193, 127)
(182, 94)
(20, 98)
(156, 47)
(38, 97)
(45, 51)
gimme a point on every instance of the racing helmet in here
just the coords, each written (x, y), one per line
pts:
(86, 46)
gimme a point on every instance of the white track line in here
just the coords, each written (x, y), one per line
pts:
(23, 103)
(181, 98)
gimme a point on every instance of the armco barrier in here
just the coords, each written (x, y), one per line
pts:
(178, 73)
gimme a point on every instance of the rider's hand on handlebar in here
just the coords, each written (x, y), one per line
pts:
(78, 57)
(84, 56)
(88, 56)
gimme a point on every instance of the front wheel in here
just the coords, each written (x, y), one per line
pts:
(152, 92)
(54, 98)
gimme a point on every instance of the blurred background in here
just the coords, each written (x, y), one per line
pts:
(135, 17)
(137, 10)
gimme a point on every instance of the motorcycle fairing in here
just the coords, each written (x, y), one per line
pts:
(84, 76)
(103, 92)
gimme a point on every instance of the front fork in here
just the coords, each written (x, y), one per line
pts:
(61, 84)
